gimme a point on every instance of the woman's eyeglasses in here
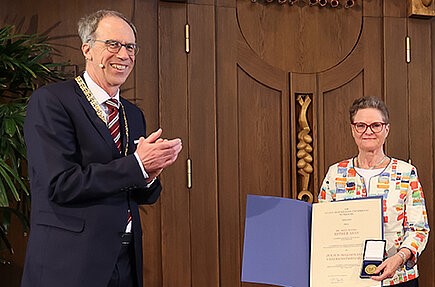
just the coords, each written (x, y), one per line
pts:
(114, 46)
(375, 127)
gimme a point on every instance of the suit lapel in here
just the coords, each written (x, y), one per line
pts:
(122, 114)
(99, 125)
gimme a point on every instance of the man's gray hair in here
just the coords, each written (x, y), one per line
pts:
(89, 24)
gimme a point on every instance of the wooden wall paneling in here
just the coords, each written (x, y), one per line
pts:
(372, 41)
(259, 142)
(430, 252)
(249, 61)
(303, 83)
(147, 63)
(146, 84)
(227, 147)
(432, 204)
(421, 121)
(251, 99)
(263, 130)
(202, 2)
(260, 149)
(299, 38)
(345, 71)
(395, 85)
(226, 3)
(270, 81)
(202, 146)
(394, 8)
(175, 199)
(338, 87)
(372, 8)
(337, 138)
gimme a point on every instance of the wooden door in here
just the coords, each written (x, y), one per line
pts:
(189, 208)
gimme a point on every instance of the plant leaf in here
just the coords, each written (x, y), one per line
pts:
(6, 218)
(4, 202)
(4, 168)
(9, 126)
(24, 221)
(4, 238)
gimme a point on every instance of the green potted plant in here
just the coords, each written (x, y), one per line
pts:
(25, 64)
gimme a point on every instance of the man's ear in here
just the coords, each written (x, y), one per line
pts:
(86, 50)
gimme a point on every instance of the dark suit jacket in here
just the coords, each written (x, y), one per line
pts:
(81, 189)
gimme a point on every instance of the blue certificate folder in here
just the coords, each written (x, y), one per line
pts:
(277, 241)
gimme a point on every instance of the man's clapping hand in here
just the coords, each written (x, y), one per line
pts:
(156, 153)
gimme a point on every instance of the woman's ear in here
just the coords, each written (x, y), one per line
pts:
(387, 129)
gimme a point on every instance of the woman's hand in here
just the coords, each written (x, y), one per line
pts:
(390, 265)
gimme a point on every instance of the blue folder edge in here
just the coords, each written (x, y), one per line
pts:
(277, 253)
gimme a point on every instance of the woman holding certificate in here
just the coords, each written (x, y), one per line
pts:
(373, 173)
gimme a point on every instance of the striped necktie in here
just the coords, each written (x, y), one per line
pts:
(113, 122)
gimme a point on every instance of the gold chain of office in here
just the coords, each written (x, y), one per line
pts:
(93, 102)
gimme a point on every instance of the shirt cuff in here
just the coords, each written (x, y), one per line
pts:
(150, 183)
(145, 174)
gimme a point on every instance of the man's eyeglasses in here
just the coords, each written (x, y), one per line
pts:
(375, 127)
(114, 46)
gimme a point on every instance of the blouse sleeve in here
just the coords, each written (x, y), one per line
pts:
(416, 226)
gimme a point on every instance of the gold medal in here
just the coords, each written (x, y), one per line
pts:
(370, 269)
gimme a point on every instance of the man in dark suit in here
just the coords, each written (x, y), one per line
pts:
(90, 166)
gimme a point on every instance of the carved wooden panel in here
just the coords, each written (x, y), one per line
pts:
(300, 38)
(421, 8)
(304, 148)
